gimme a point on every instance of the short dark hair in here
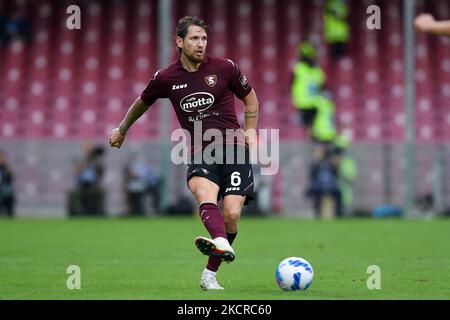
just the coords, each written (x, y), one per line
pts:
(187, 21)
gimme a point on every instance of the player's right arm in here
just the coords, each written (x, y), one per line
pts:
(426, 23)
(154, 90)
(137, 109)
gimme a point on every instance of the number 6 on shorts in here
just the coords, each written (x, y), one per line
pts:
(235, 179)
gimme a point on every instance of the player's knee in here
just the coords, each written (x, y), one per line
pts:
(202, 190)
(203, 195)
(231, 216)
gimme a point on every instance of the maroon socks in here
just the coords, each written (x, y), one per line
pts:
(212, 220)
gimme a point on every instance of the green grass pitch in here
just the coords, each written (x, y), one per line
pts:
(156, 258)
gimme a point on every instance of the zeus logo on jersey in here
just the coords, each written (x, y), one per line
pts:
(197, 102)
(177, 87)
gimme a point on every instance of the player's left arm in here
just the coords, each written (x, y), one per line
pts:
(251, 107)
(426, 23)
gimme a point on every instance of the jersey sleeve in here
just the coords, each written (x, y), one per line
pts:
(154, 90)
(238, 82)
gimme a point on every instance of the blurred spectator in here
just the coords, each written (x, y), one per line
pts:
(141, 180)
(88, 197)
(14, 26)
(6, 186)
(306, 85)
(324, 189)
(332, 174)
(336, 27)
(347, 170)
(323, 126)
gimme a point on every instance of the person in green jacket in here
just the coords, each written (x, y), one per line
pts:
(307, 83)
(336, 27)
(347, 169)
(323, 127)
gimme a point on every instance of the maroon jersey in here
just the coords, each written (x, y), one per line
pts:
(206, 95)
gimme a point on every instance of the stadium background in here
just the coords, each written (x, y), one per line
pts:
(65, 87)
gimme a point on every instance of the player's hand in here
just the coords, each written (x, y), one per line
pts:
(424, 22)
(116, 138)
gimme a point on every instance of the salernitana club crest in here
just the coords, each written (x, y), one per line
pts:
(211, 80)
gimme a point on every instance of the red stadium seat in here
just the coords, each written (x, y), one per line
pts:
(105, 71)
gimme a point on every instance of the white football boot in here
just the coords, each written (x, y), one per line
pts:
(208, 281)
(218, 247)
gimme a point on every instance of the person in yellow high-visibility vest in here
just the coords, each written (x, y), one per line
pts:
(323, 127)
(347, 170)
(336, 27)
(307, 82)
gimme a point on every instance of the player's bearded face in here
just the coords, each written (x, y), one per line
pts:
(194, 44)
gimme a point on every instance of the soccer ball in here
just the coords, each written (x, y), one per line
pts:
(294, 274)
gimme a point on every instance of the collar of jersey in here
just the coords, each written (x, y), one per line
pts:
(207, 60)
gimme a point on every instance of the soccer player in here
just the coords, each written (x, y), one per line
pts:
(425, 22)
(201, 89)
